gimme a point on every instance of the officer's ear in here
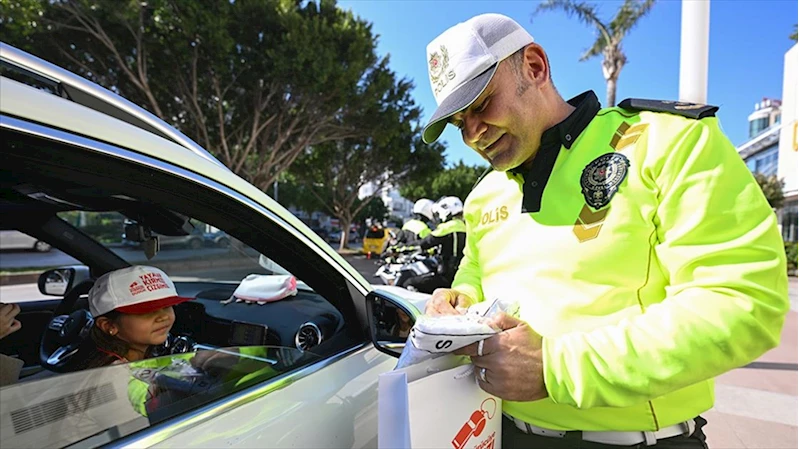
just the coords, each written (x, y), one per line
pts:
(535, 64)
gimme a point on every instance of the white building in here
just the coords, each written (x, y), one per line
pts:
(772, 145)
(787, 160)
(767, 113)
(397, 205)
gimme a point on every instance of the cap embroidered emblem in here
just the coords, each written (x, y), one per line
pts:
(601, 178)
(439, 73)
(136, 288)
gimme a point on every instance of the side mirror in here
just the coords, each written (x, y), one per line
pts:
(58, 281)
(390, 321)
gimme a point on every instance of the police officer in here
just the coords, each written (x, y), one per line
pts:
(449, 236)
(645, 258)
(417, 227)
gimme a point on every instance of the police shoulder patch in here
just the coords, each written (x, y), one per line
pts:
(690, 110)
(601, 178)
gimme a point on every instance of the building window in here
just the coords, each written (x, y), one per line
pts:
(756, 126)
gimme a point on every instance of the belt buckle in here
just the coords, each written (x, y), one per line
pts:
(544, 432)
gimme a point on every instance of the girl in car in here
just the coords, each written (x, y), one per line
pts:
(132, 309)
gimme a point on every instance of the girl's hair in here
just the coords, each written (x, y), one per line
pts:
(106, 347)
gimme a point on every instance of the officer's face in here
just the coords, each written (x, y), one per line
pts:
(504, 125)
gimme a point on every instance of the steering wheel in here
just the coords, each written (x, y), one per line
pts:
(68, 303)
(66, 332)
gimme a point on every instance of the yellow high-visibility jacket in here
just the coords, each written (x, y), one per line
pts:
(648, 259)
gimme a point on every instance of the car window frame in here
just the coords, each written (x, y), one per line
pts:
(140, 161)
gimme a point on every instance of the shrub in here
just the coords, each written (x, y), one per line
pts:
(790, 254)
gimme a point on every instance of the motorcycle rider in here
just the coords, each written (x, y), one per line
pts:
(449, 235)
(418, 226)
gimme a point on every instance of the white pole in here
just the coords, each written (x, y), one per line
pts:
(694, 43)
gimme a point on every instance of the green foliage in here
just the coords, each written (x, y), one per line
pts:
(375, 209)
(390, 154)
(791, 255)
(793, 35)
(455, 181)
(105, 227)
(772, 189)
(19, 19)
(255, 82)
(292, 193)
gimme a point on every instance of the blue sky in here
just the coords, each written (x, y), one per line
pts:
(748, 41)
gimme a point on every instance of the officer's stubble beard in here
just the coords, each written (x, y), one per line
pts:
(559, 110)
(518, 145)
(546, 99)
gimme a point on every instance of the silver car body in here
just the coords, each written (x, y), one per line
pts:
(332, 403)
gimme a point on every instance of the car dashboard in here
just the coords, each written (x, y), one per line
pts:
(303, 321)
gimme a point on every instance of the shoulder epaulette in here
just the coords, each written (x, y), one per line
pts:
(483, 175)
(690, 110)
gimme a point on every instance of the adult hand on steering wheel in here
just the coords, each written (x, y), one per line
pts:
(66, 332)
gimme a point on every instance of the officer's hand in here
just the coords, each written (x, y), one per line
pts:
(446, 301)
(512, 359)
(8, 322)
(215, 362)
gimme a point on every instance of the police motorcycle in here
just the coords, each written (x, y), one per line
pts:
(411, 268)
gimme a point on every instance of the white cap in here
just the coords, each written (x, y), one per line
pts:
(462, 60)
(136, 290)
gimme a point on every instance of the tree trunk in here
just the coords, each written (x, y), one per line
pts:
(611, 98)
(345, 233)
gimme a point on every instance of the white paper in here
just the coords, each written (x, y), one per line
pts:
(393, 426)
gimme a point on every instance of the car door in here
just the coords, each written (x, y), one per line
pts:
(337, 393)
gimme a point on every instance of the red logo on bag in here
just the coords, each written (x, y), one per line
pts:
(475, 425)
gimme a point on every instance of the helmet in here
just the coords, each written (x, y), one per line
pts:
(424, 206)
(448, 207)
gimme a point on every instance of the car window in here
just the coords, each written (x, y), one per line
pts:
(115, 401)
(241, 297)
(375, 234)
(204, 253)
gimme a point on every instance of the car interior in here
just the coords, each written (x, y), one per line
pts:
(41, 181)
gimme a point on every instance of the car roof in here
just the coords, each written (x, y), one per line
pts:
(82, 91)
(40, 106)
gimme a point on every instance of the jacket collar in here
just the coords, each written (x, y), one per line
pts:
(563, 134)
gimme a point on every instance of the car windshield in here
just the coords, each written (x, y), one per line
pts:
(105, 404)
(375, 234)
(203, 253)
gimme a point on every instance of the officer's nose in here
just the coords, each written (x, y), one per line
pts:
(473, 129)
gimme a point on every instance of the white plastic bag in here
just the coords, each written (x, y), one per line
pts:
(434, 335)
(264, 288)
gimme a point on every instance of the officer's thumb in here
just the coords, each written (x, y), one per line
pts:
(502, 321)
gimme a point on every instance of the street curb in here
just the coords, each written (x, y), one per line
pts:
(19, 278)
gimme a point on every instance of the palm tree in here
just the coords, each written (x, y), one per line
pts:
(610, 35)
(794, 35)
